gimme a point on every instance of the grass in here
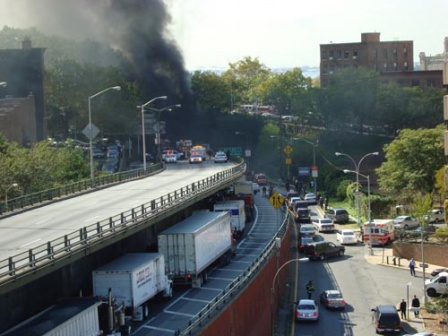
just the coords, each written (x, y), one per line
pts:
(352, 224)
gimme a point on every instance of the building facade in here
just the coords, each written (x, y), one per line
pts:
(434, 62)
(23, 70)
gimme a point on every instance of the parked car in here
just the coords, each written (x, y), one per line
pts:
(323, 249)
(307, 230)
(310, 198)
(307, 310)
(386, 319)
(220, 157)
(292, 200)
(434, 216)
(337, 215)
(302, 215)
(438, 270)
(405, 223)
(261, 179)
(323, 225)
(303, 241)
(346, 236)
(97, 153)
(299, 205)
(195, 159)
(332, 299)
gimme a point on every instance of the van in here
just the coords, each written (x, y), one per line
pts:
(346, 236)
(386, 319)
(337, 215)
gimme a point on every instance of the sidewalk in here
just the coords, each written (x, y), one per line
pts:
(384, 257)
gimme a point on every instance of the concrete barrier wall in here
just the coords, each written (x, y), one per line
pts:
(435, 254)
(253, 312)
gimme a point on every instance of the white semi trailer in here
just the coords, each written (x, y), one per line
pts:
(195, 244)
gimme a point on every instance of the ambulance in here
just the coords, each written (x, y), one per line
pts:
(381, 231)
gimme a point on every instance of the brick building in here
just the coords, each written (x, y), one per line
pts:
(23, 70)
(394, 60)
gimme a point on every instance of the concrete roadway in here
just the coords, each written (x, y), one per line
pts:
(29, 229)
(363, 286)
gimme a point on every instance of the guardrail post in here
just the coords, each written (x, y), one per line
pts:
(49, 251)
(133, 213)
(66, 243)
(12, 270)
(122, 217)
(143, 209)
(111, 223)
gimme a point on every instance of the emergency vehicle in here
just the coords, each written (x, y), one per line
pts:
(381, 231)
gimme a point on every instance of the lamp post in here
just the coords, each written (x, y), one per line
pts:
(368, 203)
(14, 185)
(4, 84)
(90, 128)
(273, 285)
(314, 159)
(357, 166)
(143, 127)
(158, 111)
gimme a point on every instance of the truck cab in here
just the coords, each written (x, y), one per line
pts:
(437, 285)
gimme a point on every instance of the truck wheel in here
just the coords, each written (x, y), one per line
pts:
(431, 292)
(322, 257)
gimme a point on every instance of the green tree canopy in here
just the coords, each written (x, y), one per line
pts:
(412, 160)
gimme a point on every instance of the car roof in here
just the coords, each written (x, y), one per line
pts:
(332, 291)
(347, 230)
(306, 301)
(387, 308)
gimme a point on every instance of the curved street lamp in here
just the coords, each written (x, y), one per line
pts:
(357, 165)
(4, 84)
(142, 107)
(158, 111)
(369, 218)
(14, 185)
(90, 127)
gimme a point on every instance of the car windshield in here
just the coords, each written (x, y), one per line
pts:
(304, 229)
(305, 307)
(334, 296)
(326, 221)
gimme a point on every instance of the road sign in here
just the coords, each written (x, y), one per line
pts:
(287, 150)
(288, 161)
(276, 200)
(90, 131)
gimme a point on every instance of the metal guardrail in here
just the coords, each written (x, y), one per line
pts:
(27, 262)
(210, 311)
(69, 189)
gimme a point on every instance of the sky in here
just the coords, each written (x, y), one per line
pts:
(281, 33)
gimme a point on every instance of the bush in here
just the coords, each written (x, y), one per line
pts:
(341, 190)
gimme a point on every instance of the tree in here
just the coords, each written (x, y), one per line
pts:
(211, 91)
(412, 160)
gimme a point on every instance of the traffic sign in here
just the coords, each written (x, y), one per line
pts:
(276, 200)
(288, 161)
(287, 150)
(90, 131)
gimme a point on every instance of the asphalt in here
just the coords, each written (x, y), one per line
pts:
(381, 258)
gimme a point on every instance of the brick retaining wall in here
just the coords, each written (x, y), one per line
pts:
(435, 254)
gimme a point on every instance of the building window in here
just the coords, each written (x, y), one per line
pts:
(346, 54)
(355, 54)
(415, 82)
(395, 66)
(385, 67)
(405, 66)
(331, 54)
(431, 82)
(331, 68)
(375, 54)
(385, 54)
(338, 54)
(355, 65)
(324, 54)
(405, 52)
(324, 69)
(324, 82)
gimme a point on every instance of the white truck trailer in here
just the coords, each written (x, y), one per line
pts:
(237, 214)
(193, 245)
(134, 279)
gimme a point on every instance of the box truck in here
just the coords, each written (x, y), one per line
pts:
(134, 279)
(194, 245)
(236, 208)
(244, 190)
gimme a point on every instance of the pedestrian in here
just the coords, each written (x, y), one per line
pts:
(412, 266)
(416, 305)
(326, 202)
(321, 202)
(309, 289)
(287, 185)
(403, 309)
(264, 191)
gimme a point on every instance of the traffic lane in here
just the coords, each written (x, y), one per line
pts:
(331, 322)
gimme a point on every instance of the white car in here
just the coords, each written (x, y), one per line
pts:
(310, 198)
(307, 310)
(435, 216)
(195, 159)
(405, 223)
(346, 236)
(220, 157)
(170, 158)
(323, 225)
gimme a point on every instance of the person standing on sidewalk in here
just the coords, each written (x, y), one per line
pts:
(412, 266)
(309, 289)
(403, 309)
(416, 304)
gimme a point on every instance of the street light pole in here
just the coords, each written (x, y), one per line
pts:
(143, 127)
(158, 111)
(369, 218)
(14, 185)
(357, 166)
(92, 172)
(314, 159)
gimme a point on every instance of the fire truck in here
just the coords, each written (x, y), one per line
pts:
(381, 231)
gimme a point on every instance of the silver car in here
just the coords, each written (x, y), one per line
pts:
(307, 310)
(332, 298)
(405, 223)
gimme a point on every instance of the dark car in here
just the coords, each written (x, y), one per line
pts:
(323, 249)
(337, 215)
(303, 241)
(261, 179)
(386, 319)
(303, 215)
